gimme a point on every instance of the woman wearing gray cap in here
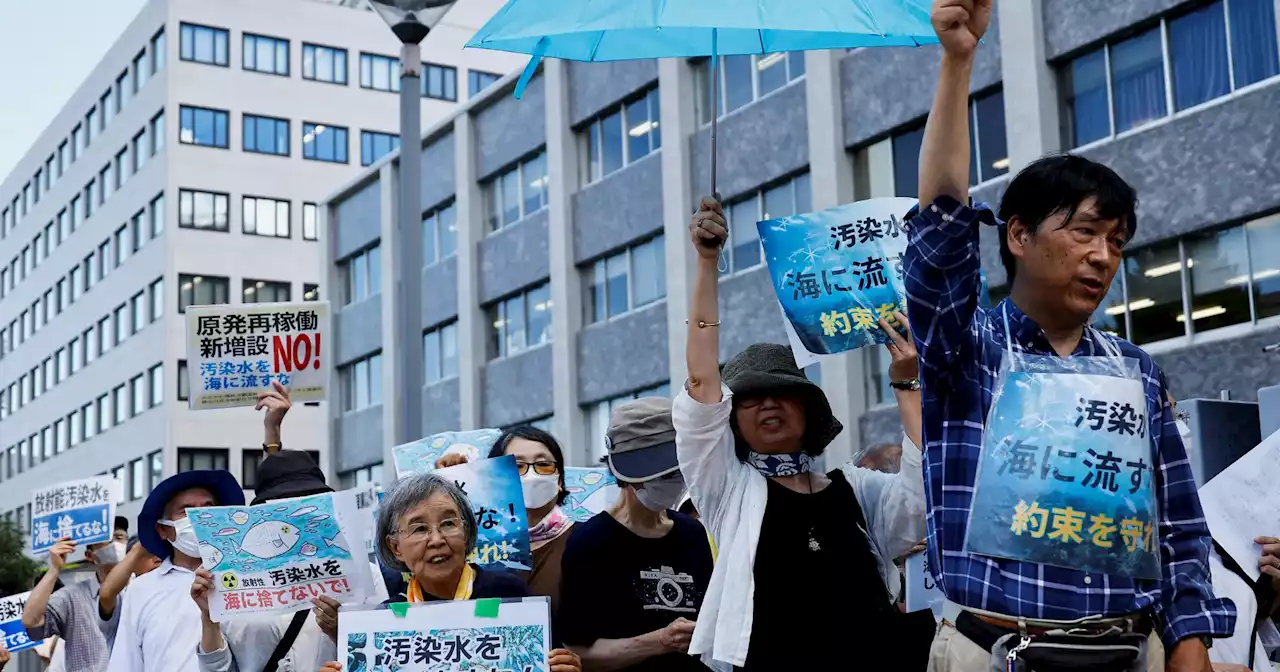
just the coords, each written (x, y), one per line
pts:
(633, 577)
(746, 444)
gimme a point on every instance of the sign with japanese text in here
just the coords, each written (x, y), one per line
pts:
(13, 632)
(591, 491)
(82, 510)
(1066, 472)
(419, 457)
(836, 272)
(235, 352)
(497, 500)
(278, 556)
(448, 636)
(922, 591)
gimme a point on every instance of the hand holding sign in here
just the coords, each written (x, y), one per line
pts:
(201, 587)
(905, 364)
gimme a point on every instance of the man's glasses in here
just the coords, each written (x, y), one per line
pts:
(448, 528)
(541, 467)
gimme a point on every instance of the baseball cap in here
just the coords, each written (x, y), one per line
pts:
(642, 441)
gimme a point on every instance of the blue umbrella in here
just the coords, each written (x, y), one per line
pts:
(621, 30)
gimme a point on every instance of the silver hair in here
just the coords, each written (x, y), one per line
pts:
(408, 493)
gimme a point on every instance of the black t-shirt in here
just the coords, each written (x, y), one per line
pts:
(617, 585)
(819, 595)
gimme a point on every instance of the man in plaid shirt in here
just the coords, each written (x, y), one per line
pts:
(1068, 220)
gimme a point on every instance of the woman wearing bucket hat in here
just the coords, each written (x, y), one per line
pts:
(746, 443)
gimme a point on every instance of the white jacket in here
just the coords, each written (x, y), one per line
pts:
(731, 496)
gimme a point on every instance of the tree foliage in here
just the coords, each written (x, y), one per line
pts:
(17, 570)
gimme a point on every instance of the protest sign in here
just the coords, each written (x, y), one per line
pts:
(481, 635)
(13, 634)
(82, 510)
(591, 491)
(838, 271)
(419, 457)
(277, 557)
(235, 352)
(1240, 503)
(497, 500)
(922, 592)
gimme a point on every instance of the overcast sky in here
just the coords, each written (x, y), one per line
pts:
(47, 48)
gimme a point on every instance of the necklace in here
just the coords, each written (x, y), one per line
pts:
(814, 546)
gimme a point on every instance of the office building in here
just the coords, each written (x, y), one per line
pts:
(186, 170)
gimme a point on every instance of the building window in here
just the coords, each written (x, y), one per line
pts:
(138, 309)
(324, 143)
(251, 459)
(120, 399)
(157, 133)
(440, 352)
(139, 146)
(269, 55)
(203, 127)
(266, 291)
(123, 246)
(155, 378)
(621, 135)
(516, 192)
(359, 478)
(266, 135)
(439, 82)
(137, 479)
(440, 234)
(157, 215)
(1202, 54)
(309, 215)
(380, 73)
(324, 64)
(203, 44)
(90, 415)
(202, 290)
(375, 145)
(362, 275)
(265, 217)
(745, 79)
(361, 383)
(192, 459)
(140, 390)
(202, 210)
(520, 322)
(783, 200)
(310, 292)
(184, 381)
(625, 281)
(479, 80)
(989, 154)
(140, 73)
(123, 91)
(158, 46)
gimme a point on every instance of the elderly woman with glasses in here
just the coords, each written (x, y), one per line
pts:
(426, 527)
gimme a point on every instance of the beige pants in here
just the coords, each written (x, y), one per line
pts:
(953, 652)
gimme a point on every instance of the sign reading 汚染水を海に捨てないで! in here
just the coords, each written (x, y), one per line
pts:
(82, 511)
(235, 352)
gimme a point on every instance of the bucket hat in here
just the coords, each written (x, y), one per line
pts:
(289, 473)
(226, 492)
(770, 368)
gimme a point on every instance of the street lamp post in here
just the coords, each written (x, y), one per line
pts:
(410, 20)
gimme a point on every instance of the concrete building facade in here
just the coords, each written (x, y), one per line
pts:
(187, 169)
(558, 263)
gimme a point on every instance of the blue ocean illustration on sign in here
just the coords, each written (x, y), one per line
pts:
(419, 457)
(836, 272)
(517, 647)
(591, 491)
(497, 500)
(261, 538)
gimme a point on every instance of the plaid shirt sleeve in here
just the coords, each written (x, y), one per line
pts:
(942, 273)
(1187, 607)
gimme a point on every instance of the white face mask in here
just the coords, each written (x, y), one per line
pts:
(186, 542)
(661, 494)
(539, 490)
(110, 554)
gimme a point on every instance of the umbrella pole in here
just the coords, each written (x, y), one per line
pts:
(715, 108)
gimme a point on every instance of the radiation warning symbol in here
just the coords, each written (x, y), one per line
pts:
(229, 581)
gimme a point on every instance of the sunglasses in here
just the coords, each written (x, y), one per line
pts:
(541, 467)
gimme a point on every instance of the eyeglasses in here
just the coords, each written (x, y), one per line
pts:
(757, 399)
(541, 467)
(448, 528)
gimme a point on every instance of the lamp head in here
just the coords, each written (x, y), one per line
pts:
(411, 20)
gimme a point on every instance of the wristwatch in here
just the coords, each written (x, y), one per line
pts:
(910, 385)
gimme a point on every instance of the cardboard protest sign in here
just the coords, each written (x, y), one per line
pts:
(83, 510)
(836, 272)
(497, 500)
(277, 557)
(591, 491)
(13, 634)
(420, 456)
(922, 591)
(490, 635)
(235, 352)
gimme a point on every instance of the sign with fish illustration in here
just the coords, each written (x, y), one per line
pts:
(591, 491)
(13, 634)
(82, 510)
(238, 351)
(477, 635)
(497, 500)
(277, 557)
(420, 456)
